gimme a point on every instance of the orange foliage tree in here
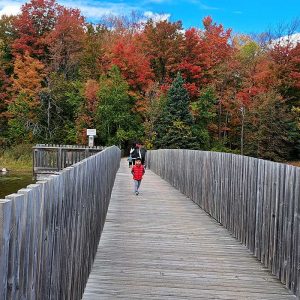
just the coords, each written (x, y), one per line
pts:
(23, 108)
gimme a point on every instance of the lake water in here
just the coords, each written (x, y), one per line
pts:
(12, 182)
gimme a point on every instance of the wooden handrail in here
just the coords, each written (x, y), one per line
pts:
(50, 230)
(55, 158)
(258, 201)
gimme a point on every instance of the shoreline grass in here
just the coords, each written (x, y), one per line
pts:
(17, 159)
(294, 163)
(16, 165)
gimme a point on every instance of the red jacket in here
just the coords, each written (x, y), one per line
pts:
(138, 172)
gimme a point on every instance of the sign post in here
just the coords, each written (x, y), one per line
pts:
(91, 133)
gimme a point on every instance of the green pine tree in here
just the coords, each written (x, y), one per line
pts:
(116, 123)
(174, 127)
(205, 113)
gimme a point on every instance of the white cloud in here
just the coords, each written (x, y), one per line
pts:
(108, 8)
(10, 7)
(156, 17)
(291, 40)
(89, 9)
(92, 10)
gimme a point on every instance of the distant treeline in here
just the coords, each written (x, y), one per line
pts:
(146, 80)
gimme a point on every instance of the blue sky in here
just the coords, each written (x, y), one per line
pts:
(242, 16)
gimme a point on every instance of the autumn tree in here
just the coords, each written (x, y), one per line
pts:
(162, 42)
(155, 101)
(66, 42)
(133, 64)
(193, 62)
(287, 72)
(93, 51)
(24, 107)
(272, 75)
(295, 92)
(219, 71)
(37, 19)
(247, 58)
(295, 72)
(4, 97)
(267, 134)
(7, 36)
(216, 45)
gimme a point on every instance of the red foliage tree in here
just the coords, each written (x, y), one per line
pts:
(133, 64)
(36, 20)
(284, 57)
(66, 40)
(295, 72)
(162, 42)
(215, 43)
(193, 61)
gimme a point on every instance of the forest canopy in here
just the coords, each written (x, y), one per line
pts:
(197, 88)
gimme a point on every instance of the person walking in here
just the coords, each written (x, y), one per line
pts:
(137, 171)
(142, 153)
(134, 153)
(130, 157)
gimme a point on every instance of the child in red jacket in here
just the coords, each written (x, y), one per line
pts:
(137, 171)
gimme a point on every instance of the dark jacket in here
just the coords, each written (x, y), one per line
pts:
(141, 153)
(135, 153)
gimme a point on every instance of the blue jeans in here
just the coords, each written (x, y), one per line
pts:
(137, 184)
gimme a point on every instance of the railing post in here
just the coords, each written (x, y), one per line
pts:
(59, 160)
(5, 229)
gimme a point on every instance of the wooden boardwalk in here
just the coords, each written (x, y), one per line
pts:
(160, 245)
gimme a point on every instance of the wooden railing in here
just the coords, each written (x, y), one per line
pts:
(50, 230)
(258, 201)
(49, 159)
